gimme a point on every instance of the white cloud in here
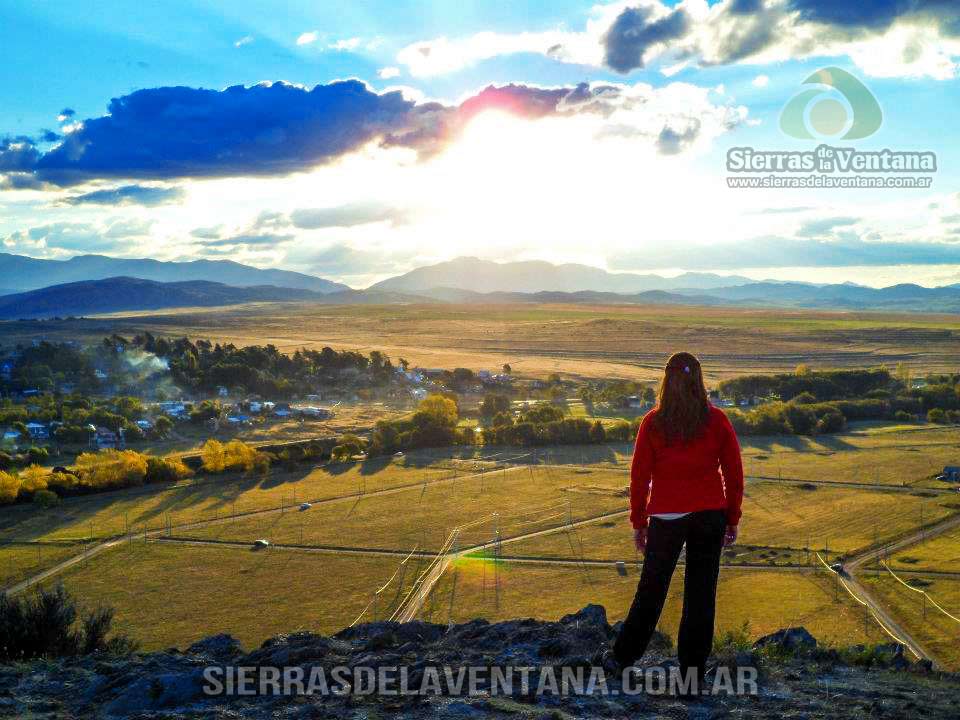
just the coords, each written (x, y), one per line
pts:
(387, 73)
(347, 44)
(761, 81)
(914, 43)
(245, 40)
(308, 37)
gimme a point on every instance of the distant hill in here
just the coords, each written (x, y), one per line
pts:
(473, 274)
(124, 293)
(908, 297)
(22, 273)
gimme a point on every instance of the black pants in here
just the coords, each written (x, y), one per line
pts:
(703, 534)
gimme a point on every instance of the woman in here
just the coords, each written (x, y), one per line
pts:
(686, 487)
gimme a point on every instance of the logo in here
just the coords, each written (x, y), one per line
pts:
(840, 108)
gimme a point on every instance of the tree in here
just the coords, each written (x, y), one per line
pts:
(507, 369)
(494, 403)
(440, 409)
(597, 432)
(212, 456)
(163, 426)
(33, 479)
(9, 488)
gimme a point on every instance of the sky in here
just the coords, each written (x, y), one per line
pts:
(358, 140)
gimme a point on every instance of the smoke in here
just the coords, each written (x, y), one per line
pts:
(143, 363)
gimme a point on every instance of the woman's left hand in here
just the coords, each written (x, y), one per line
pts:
(730, 536)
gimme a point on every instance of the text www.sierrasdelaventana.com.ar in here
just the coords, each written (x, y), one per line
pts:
(234, 680)
(830, 167)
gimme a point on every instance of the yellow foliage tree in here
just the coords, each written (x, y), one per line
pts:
(9, 488)
(34, 478)
(112, 468)
(212, 456)
(440, 408)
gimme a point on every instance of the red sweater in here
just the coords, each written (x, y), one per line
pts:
(686, 477)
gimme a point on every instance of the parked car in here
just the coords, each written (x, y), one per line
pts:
(261, 544)
(305, 506)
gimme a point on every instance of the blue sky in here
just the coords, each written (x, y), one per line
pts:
(358, 140)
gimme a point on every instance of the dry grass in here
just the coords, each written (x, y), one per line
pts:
(470, 590)
(150, 507)
(526, 499)
(20, 561)
(779, 522)
(576, 340)
(168, 595)
(935, 630)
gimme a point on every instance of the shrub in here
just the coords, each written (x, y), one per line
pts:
(33, 479)
(903, 416)
(166, 470)
(46, 498)
(111, 469)
(46, 625)
(6, 461)
(9, 488)
(212, 456)
(936, 415)
(831, 421)
(38, 455)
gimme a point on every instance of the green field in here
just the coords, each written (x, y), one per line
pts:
(170, 595)
(209, 498)
(518, 500)
(776, 516)
(931, 627)
(19, 561)
(499, 591)
(941, 554)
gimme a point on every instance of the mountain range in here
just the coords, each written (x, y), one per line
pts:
(19, 272)
(465, 280)
(532, 276)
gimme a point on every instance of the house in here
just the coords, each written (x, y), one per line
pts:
(101, 375)
(222, 391)
(951, 473)
(418, 393)
(282, 413)
(144, 425)
(11, 436)
(255, 406)
(634, 401)
(104, 439)
(315, 412)
(38, 431)
(6, 369)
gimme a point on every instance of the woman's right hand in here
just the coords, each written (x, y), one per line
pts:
(640, 539)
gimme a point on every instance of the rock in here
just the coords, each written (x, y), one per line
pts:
(796, 638)
(589, 615)
(217, 647)
(157, 692)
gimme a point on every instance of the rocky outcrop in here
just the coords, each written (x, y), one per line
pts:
(796, 677)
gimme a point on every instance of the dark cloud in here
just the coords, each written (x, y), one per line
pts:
(635, 30)
(267, 129)
(824, 226)
(18, 154)
(48, 136)
(23, 181)
(146, 195)
(67, 113)
(346, 216)
(745, 7)
(673, 142)
(873, 14)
